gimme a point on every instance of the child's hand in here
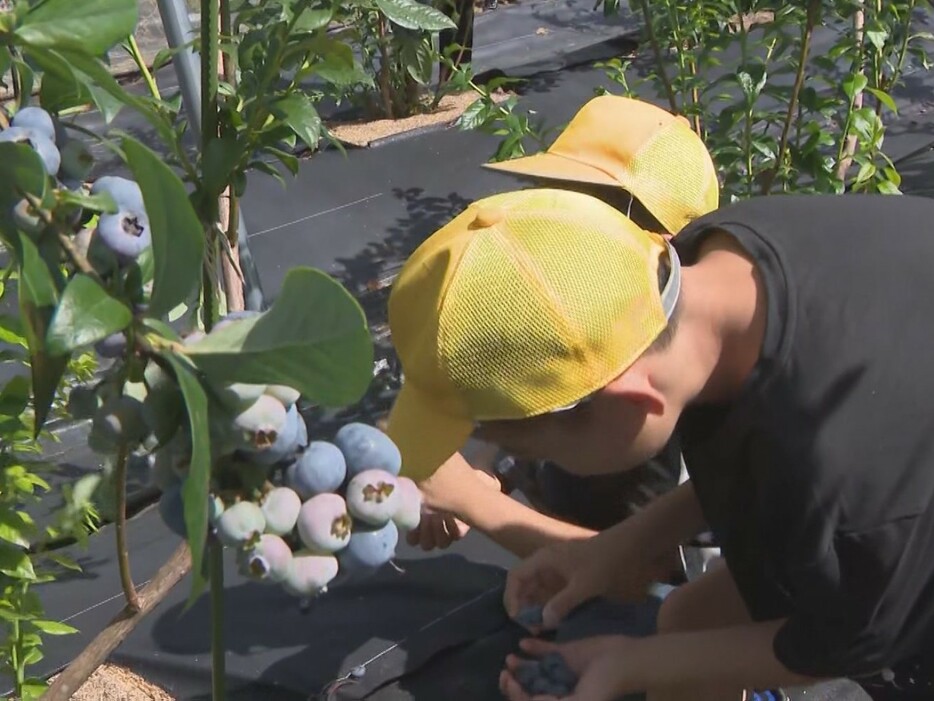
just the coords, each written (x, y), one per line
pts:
(599, 663)
(437, 530)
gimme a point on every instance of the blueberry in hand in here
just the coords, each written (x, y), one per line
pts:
(367, 448)
(556, 669)
(527, 673)
(530, 616)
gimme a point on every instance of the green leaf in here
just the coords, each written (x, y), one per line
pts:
(300, 115)
(415, 15)
(177, 236)
(54, 628)
(63, 561)
(197, 481)
(310, 20)
(854, 84)
(21, 170)
(314, 338)
(34, 689)
(161, 328)
(37, 299)
(85, 315)
(103, 202)
(14, 562)
(220, 158)
(473, 116)
(884, 98)
(89, 26)
(11, 528)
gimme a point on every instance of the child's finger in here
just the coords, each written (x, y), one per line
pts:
(511, 689)
(537, 647)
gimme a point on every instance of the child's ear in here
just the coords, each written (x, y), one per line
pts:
(635, 387)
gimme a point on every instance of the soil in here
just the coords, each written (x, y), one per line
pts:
(362, 133)
(113, 683)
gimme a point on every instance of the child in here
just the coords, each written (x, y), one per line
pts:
(785, 338)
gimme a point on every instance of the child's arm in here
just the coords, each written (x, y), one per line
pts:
(474, 497)
(740, 657)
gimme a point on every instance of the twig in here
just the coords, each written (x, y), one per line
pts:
(123, 552)
(385, 84)
(137, 56)
(813, 13)
(79, 261)
(849, 148)
(659, 59)
(83, 666)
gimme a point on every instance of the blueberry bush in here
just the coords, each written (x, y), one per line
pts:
(780, 116)
(135, 258)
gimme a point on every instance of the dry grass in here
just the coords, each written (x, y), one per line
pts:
(112, 683)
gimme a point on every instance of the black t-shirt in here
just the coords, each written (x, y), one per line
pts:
(818, 479)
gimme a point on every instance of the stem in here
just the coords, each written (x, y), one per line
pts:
(123, 552)
(210, 45)
(812, 15)
(74, 676)
(16, 79)
(137, 56)
(17, 655)
(903, 50)
(385, 88)
(848, 144)
(659, 59)
(218, 651)
(79, 261)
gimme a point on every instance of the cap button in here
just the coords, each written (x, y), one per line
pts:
(487, 217)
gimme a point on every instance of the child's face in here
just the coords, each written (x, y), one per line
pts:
(608, 433)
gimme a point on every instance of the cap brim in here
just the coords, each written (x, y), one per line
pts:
(551, 166)
(426, 437)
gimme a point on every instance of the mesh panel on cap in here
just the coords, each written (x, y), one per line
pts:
(548, 306)
(668, 171)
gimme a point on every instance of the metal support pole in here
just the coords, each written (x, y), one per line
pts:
(179, 32)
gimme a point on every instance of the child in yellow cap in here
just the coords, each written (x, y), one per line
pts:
(651, 165)
(786, 339)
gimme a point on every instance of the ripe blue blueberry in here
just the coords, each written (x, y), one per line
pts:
(39, 142)
(369, 549)
(126, 233)
(37, 119)
(367, 448)
(319, 469)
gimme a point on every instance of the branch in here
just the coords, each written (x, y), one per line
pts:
(659, 59)
(94, 655)
(812, 15)
(849, 148)
(123, 553)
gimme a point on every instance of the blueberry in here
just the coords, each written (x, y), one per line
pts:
(556, 669)
(367, 448)
(26, 218)
(39, 142)
(120, 420)
(280, 508)
(408, 514)
(309, 573)
(324, 524)
(530, 616)
(369, 549)
(287, 442)
(172, 510)
(320, 468)
(240, 523)
(114, 346)
(83, 403)
(36, 119)
(125, 193)
(126, 233)
(373, 497)
(269, 559)
(77, 162)
(527, 673)
(262, 422)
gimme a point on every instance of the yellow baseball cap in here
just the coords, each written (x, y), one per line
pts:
(523, 304)
(621, 142)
